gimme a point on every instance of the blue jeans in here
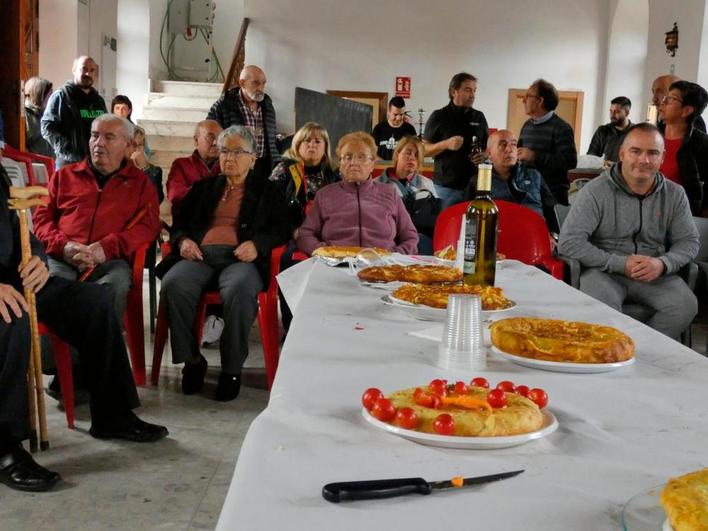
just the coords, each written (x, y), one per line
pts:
(448, 196)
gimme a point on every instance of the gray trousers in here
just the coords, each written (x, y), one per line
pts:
(674, 303)
(116, 275)
(238, 285)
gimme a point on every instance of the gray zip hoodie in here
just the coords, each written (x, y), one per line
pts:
(608, 222)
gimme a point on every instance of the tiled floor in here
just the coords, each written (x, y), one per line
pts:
(178, 483)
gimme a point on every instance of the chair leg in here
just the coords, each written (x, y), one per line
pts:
(199, 321)
(62, 360)
(268, 324)
(152, 282)
(161, 330)
(136, 337)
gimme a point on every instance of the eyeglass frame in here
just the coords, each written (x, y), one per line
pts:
(361, 159)
(238, 152)
(669, 98)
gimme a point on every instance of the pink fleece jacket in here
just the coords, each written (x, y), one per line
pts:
(368, 214)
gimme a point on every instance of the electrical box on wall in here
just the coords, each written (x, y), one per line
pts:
(200, 13)
(178, 16)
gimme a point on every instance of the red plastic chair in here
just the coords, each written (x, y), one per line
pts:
(28, 158)
(267, 321)
(133, 319)
(523, 234)
(62, 361)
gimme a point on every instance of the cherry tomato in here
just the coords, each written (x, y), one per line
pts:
(496, 398)
(370, 396)
(422, 398)
(461, 388)
(507, 386)
(444, 424)
(522, 390)
(436, 402)
(384, 410)
(539, 397)
(480, 382)
(438, 387)
(406, 418)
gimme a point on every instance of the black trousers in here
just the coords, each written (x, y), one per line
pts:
(81, 314)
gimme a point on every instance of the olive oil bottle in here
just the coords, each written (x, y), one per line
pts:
(481, 232)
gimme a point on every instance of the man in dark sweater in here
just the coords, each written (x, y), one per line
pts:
(546, 141)
(456, 136)
(607, 139)
(249, 105)
(66, 122)
(388, 132)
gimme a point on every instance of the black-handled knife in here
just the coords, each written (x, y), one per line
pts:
(388, 488)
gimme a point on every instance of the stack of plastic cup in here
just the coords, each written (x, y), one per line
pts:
(462, 344)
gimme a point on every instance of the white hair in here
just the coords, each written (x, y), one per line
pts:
(243, 131)
(128, 128)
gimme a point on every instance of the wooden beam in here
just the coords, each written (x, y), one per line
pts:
(238, 57)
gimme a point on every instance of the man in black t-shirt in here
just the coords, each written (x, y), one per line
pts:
(66, 122)
(390, 131)
(456, 136)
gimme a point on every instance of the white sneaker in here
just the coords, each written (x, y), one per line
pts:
(213, 326)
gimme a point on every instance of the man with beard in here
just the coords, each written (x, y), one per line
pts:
(631, 229)
(249, 105)
(607, 139)
(448, 136)
(66, 123)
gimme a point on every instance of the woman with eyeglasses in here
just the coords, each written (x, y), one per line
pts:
(221, 239)
(686, 148)
(358, 211)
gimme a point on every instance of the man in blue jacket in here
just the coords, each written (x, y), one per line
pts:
(631, 229)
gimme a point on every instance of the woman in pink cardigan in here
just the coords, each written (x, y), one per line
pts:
(358, 211)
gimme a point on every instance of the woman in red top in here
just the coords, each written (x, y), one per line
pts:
(686, 156)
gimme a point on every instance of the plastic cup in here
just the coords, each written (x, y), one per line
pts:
(462, 344)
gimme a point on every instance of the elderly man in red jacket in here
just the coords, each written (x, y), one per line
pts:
(186, 171)
(100, 211)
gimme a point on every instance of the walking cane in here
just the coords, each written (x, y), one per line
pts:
(22, 199)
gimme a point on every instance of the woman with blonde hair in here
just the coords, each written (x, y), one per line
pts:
(305, 168)
(358, 211)
(37, 92)
(416, 190)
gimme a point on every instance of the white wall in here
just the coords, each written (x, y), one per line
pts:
(627, 52)
(57, 41)
(103, 15)
(132, 67)
(321, 45)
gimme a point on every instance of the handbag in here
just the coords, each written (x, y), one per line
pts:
(423, 207)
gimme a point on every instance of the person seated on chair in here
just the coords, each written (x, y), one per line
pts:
(626, 254)
(138, 154)
(79, 313)
(306, 167)
(222, 239)
(358, 211)
(204, 161)
(686, 159)
(512, 181)
(100, 211)
(414, 189)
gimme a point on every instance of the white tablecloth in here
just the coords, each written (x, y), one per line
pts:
(620, 433)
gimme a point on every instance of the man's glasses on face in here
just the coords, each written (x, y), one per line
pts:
(238, 152)
(359, 157)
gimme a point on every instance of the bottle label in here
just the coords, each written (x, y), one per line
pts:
(470, 247)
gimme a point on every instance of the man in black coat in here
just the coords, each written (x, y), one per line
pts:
(79, 313)
(249, 105)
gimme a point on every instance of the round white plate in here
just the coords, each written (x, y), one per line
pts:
(426, 313)
(558, 366)
(385, 286)
(643, 512)
(550, 424)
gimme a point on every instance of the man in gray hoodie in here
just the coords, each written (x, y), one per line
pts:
(632, 230)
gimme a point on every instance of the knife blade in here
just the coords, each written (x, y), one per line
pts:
(388, 488)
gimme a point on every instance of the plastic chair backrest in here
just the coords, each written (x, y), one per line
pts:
(30, 157)
(14, 171)
(523, 234)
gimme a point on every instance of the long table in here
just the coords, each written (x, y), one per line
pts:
(620, 433)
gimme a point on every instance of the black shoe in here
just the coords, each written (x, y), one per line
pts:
(20, 472)
(229, 387)
(130, 429)
(193, 376)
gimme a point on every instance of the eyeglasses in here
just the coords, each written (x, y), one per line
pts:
(670, 98)
(360, 158)
(527, 96)
(238, 152)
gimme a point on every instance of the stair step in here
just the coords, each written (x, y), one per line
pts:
(171, 143)
(187, 88)
(167, 127)
(164, 159)
(160, 99)
(175, 114)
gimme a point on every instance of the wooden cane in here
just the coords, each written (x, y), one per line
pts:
(22, 199)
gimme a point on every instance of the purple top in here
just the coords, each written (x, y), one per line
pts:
(368, 214)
